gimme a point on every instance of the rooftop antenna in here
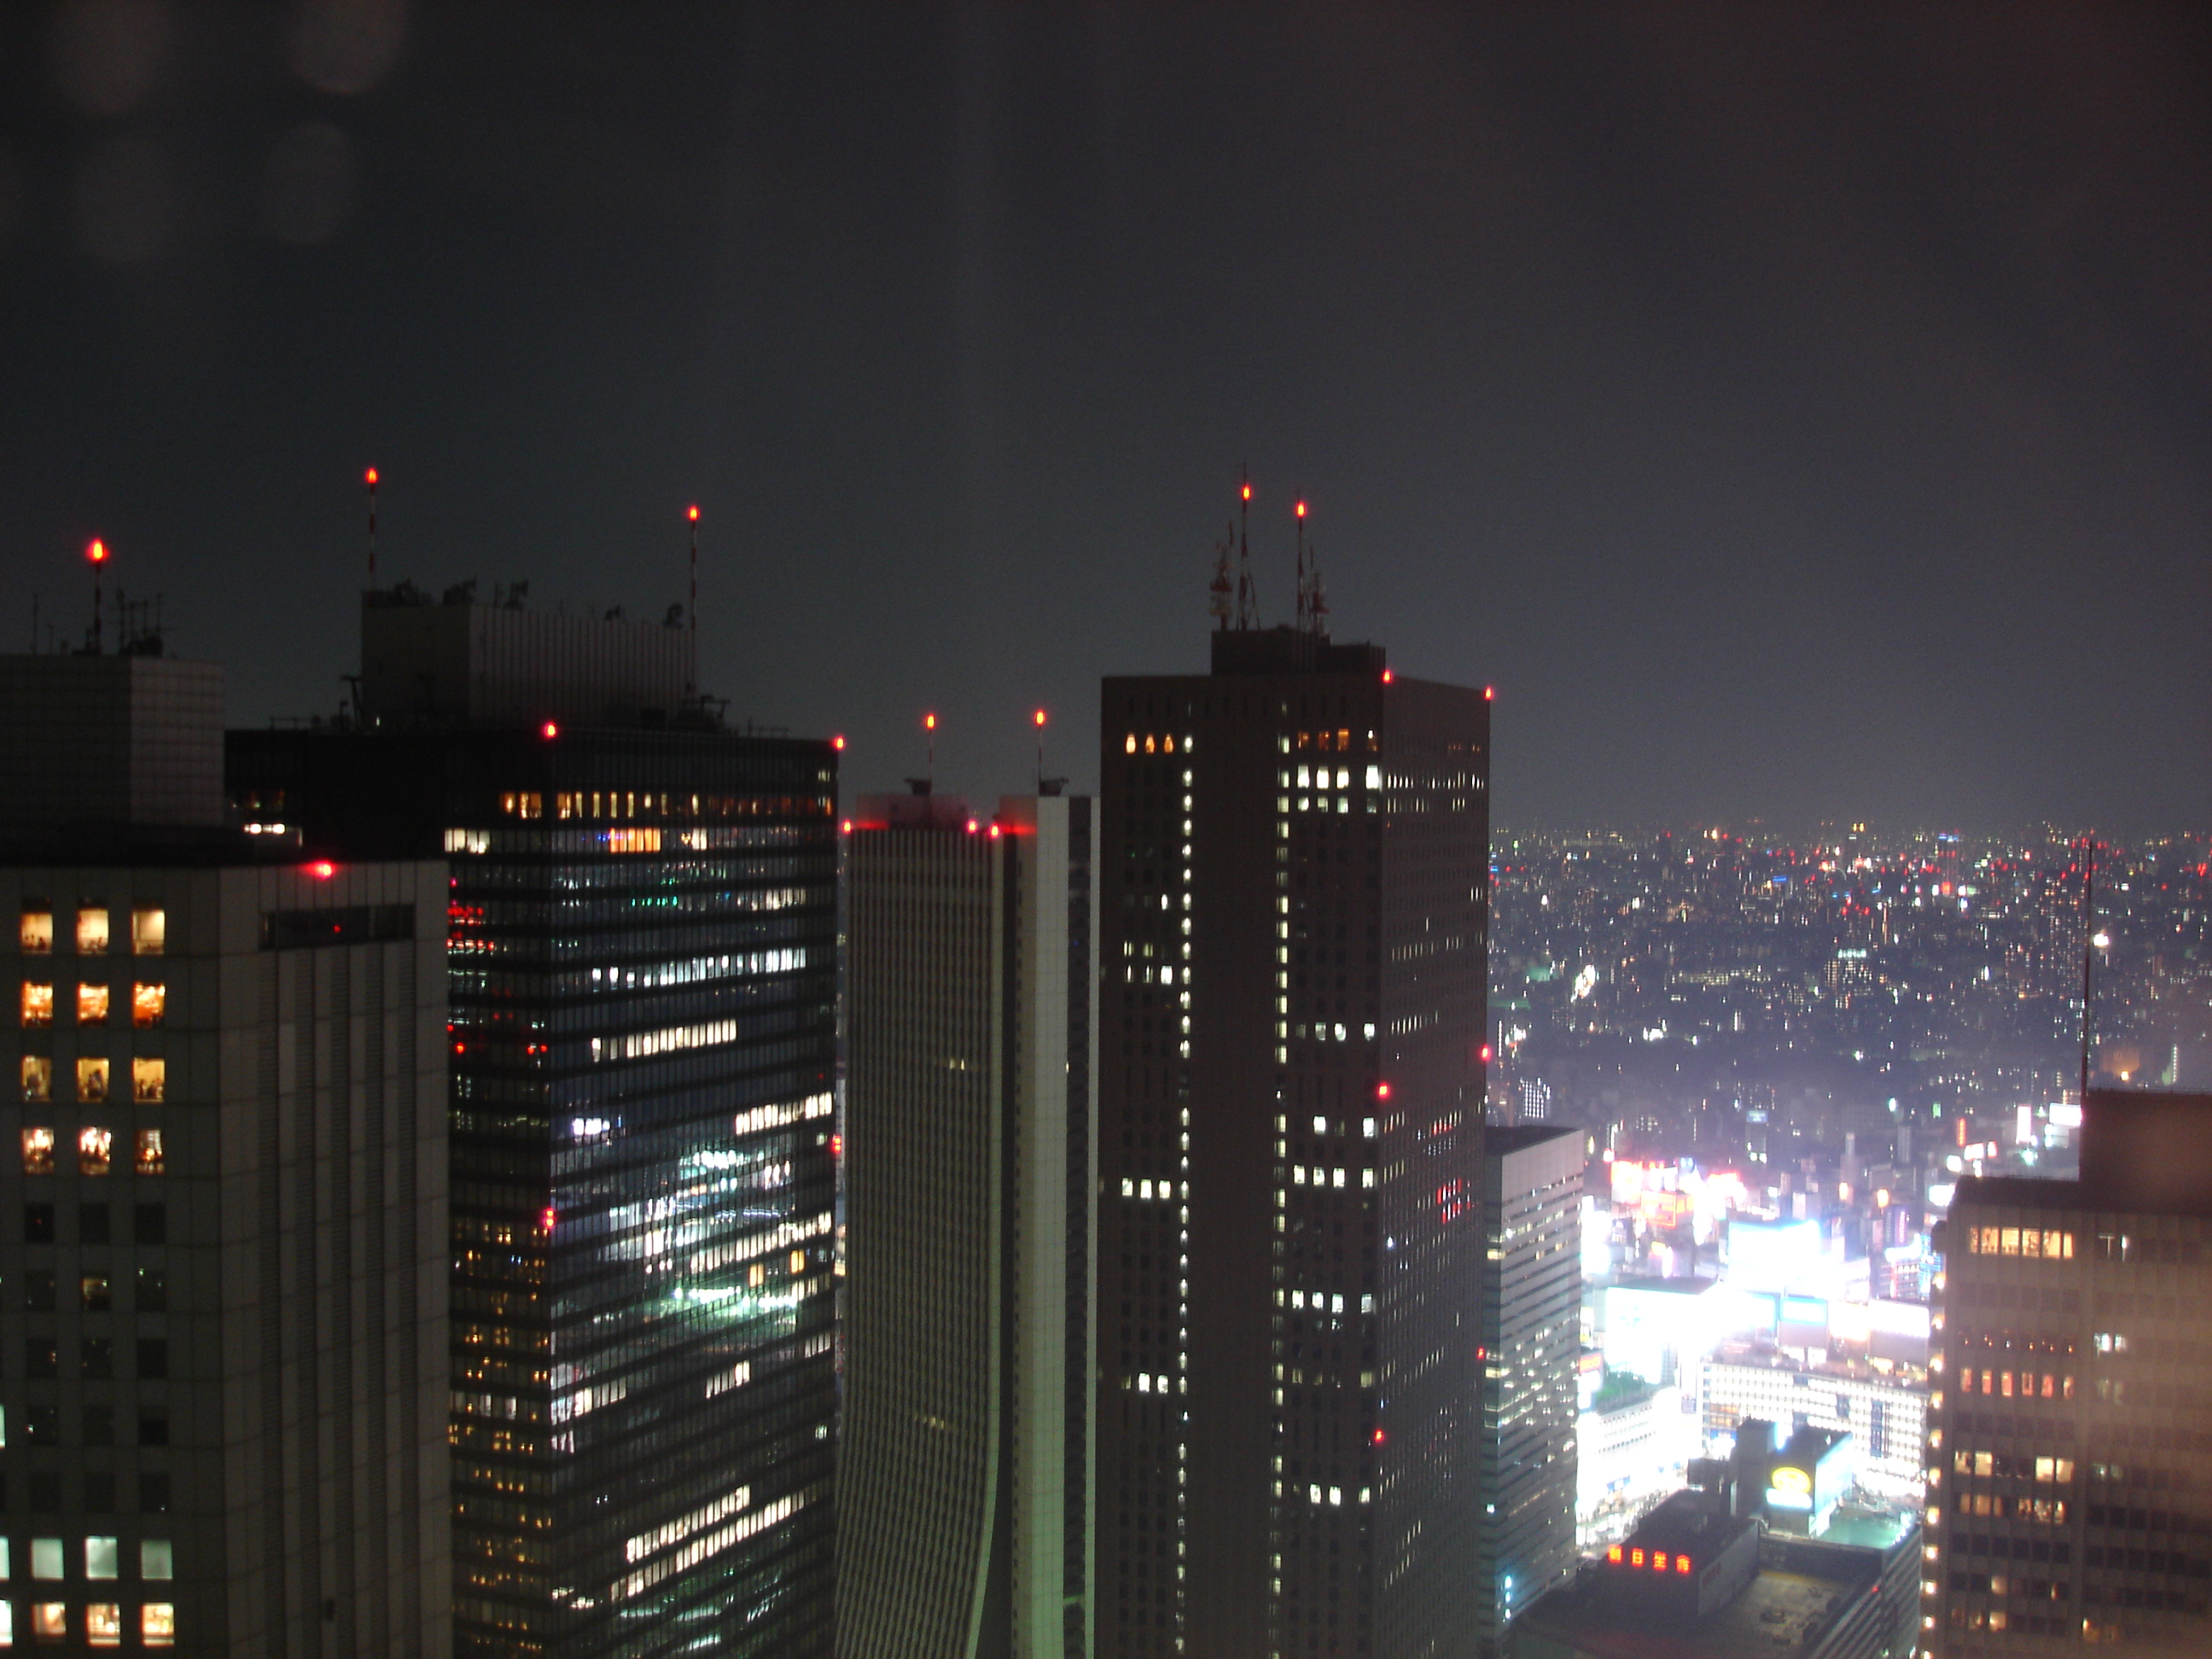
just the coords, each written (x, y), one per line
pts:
(693, 515)
(1248, 595)
(369, 482)
(1316, 598)
(929, 778)
(96, 556)
(1040, 732)
(1301, 606)
(2088, 949)
(1218, 602)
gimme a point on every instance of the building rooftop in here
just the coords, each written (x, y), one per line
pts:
(1785, 1612)
(2143, 1151)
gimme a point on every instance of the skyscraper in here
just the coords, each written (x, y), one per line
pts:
(1530, 1339)
(963, 1479)
(641, 977)
(2070, 1451)
(1293, 876)
(223, 1394)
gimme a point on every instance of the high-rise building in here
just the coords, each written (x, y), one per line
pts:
(964, 1474)
(1293, 867)
(2070, 1451)
(1529, 1338)
(222, 1398)
(641, 980)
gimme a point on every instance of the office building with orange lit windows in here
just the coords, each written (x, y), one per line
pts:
(1293, 871)
(641, 982)
(2069, 1446)
(222, 1203)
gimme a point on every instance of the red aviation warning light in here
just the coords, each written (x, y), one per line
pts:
(1302, 509)
(1382, 1091)
(545, 1219)
(1485, 1054)
(929, 722)
(1386, 677)
(322, 869)
(369, 478)
(971, 826)
(549, 731)
(837, 742)
(97, 553)
(692, 514)
(1488, 692)
(1040, 717)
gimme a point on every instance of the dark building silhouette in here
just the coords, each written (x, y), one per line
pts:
(222, 1208)
(964, 1470)
(1293, 873)
(2070, 1467)
(641, 974)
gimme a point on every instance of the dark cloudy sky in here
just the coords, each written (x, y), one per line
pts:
(1791, 410)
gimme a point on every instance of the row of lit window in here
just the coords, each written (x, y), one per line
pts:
(2023, 1385)
(1658, 1560)
(149, 931)
(95, 1151)
(103, 1624)
(150, 1078)
(2050, 1243)
(630, 804)
(103, 1559)
(150, 1004)
(1154, 745)
(2000, 1464)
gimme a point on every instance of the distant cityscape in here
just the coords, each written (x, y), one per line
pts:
(527, 1165)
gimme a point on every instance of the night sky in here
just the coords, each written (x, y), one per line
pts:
(1794, 412)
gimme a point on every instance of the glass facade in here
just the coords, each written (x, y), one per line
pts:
(642, 951)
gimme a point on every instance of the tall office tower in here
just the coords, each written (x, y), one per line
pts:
(964, 1474)
(1293, 877)
(1530, 1337)
(223, 1397)
(641, 977)
(2070, 1456)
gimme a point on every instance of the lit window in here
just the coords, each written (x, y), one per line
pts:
(38, 1004)
(149, 931)
(150, 1004)
(92, 1081)
(38, 1078)
(2010, 1242)
(92, 1005)
(94, 1146)
(100, 1557)
(49, 1621)
(157, 1624)
(150, 1078)
(38, 933)
(103, 1624)
(155, 1559)
(149, 1161)
(97, 1296)
(92, 932)
(38, 1151)
(46, 1558)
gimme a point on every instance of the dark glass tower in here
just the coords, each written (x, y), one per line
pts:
(1293, 870)
(642, 951)
(1530, 1334)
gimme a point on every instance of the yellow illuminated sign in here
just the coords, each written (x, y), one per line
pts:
(1794, 1482)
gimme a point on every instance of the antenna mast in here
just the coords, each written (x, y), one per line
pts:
(368, 482)
(2088, 949)
(96, 555)
(1302, 598)
(1040, 732)
(1248, 595)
